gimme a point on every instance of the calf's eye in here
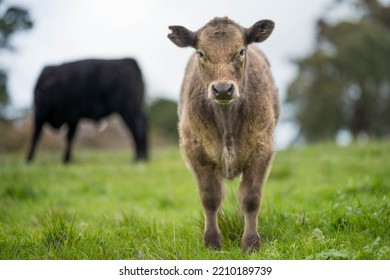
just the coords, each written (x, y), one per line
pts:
(242, 52)
(200, 54)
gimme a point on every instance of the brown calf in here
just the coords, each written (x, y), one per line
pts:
(228, 111)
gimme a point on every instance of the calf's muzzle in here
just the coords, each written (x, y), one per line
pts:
(223, 91)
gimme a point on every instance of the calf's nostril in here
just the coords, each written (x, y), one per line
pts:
(215, 90)
(230, 89)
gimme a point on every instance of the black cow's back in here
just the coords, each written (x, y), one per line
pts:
(90, 88)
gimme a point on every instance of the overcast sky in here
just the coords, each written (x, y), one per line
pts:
(67, 30)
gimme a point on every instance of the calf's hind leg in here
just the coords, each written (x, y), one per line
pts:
(249, 196)
(211, 193)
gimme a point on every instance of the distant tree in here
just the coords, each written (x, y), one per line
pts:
(12, 20)
(345, 82)
(163, 119)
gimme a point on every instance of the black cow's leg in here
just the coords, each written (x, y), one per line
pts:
(138, 128)
(34, 140)
(142, 141)
(69, 140)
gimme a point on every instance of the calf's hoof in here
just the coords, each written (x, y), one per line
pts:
(212, 240)
(250, 243)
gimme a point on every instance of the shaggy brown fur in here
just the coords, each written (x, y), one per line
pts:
(228, 111)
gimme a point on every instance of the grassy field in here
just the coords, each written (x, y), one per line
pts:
(320, 202)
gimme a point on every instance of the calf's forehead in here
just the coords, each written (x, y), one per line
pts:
(220, 39)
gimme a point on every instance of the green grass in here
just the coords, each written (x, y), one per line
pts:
(320, 202)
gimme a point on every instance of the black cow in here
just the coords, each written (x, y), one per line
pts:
(90, 89)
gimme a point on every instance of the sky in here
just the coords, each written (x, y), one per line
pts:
(68, 30)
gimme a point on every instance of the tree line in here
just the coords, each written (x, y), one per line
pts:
(344, 84)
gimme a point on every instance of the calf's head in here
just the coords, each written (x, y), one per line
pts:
(221, 48)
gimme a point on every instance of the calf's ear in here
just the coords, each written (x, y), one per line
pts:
(259, 31)
(182, 37)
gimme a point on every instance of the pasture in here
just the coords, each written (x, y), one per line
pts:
(320, 202)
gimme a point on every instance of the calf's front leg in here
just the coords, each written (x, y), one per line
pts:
(211, 193)
(249, 196)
